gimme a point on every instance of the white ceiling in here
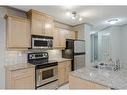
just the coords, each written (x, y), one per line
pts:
(94, 15)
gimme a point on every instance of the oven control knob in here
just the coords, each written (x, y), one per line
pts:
(32, 56)
(46, 55)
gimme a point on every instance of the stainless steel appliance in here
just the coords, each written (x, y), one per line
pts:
(42, 42)
(46, 71)
(75, 50)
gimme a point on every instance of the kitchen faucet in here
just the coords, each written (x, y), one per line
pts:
(117, 65)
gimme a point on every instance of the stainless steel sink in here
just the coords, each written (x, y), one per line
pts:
(106, 67)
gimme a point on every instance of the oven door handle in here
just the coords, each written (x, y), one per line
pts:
(48, 68)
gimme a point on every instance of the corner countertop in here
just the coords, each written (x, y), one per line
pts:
(19, 66)
(27, 65)
(107, 78)
(62, 60)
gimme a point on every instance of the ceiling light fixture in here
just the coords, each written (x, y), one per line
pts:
(112, 21)
(74, 15)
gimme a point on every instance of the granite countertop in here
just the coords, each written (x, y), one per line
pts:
(107, 78)
(27, 65)
(19, 66)
(62, 59)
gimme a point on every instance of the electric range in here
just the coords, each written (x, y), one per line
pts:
(46, 71)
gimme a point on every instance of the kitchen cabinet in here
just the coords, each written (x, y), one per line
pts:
(70, 34)
(60, 36)
(18, 32)
(49, 26)
(78, 83)
(37, 24)
(59, 40)
(67, 70)
(63, 72)
(41, 24)
(20, 79)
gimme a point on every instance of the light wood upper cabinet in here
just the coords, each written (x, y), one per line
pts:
(63, 72)
(70, 34)
(49, 26)
(18, 32)
(59, 40)
(41, 24)
(60, 36)
(20, 79)
(37, 24)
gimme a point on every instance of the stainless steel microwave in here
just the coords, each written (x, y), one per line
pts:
(42, 42)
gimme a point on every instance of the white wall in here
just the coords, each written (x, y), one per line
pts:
(87, 30)
(2, 48)
(109, 45)
(123, 45)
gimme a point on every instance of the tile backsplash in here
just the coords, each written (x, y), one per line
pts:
(54, 54)
(16, 57)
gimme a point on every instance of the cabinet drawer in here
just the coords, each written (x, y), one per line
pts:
(16, 73)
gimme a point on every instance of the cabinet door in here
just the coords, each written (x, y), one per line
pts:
(18, 33)
(78, 83)
(73, 34)
(37, 24)
(61, 73)
(49, 26)
(56, 42)
(68, 70)
(70, 34)
(59, 38)
(62, 38)
(23, 79)
(23, 82)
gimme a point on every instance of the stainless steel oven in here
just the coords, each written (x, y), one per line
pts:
(46, 76)
(46, 71)
(42, 41)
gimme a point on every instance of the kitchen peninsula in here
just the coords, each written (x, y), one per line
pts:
(92, 78)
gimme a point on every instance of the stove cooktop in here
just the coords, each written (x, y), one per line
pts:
(40, 59)
(42, 62)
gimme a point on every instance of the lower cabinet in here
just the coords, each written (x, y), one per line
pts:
(20, 79)
(63, 72)
(78, 83)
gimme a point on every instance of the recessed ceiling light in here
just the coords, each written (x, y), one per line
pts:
(68, 13)
(112, 21)
(73, 17)
(80, 19)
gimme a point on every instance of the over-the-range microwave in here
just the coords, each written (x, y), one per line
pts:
(40, 42)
